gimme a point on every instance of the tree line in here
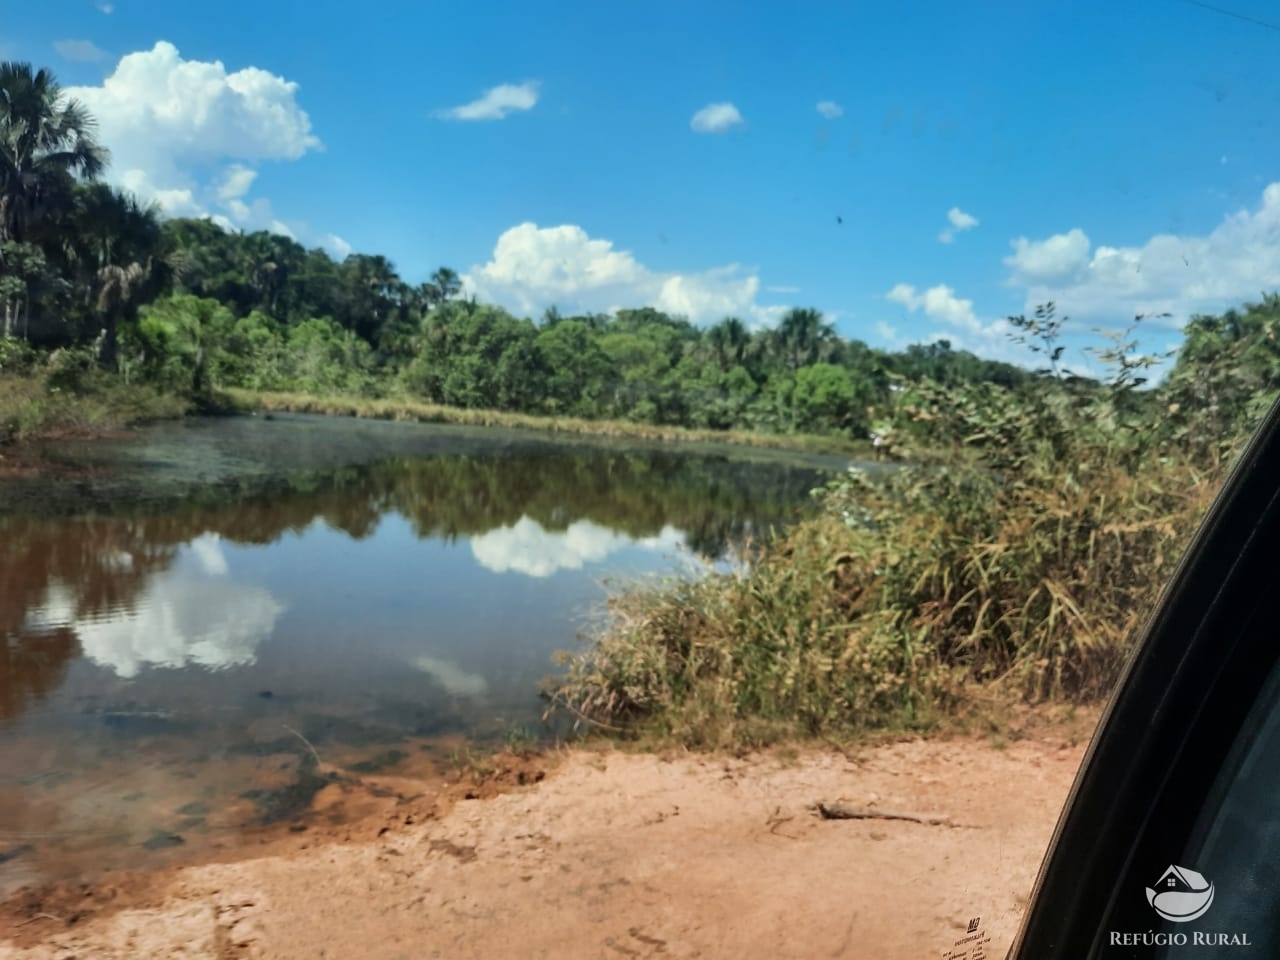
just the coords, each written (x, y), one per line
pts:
(189, 305)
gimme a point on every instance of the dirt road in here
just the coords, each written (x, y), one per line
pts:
(618, 855)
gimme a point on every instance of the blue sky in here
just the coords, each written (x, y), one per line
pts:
(1115, 157)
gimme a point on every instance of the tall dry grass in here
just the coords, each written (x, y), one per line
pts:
(420, 412)
(892, 607)
(1015, 562)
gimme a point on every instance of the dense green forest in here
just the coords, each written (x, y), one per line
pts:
(95, 284)
(188, 306)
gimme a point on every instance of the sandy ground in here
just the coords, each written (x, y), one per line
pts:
(610, 855)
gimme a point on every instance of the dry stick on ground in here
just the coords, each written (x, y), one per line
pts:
(777, 820)
(38, 916)
(304, 740)
(583, 717)
(845, 811)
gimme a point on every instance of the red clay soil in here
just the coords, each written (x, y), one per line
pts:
(606, 854)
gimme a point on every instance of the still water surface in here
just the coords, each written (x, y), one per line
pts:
(179, 611)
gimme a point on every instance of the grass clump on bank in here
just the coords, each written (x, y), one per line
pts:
(789, 648)
(416, 411)
(1020, 574)
(892, 607)
(64, 395)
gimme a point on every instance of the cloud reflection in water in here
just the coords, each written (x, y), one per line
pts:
(175, 621)
(527, 547)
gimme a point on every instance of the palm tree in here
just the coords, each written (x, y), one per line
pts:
(803, 337)
(426, 296)
(46, 142)
(125, 259)
(550, 317)
(443, 285)
(268, 261)
(728, 340)
(447, 283)
(371, 289)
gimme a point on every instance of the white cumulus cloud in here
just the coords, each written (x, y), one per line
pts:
(940, 303)
(960, 222)
(496, 103)
(988, 338)
(79, 51)
(830, 109)
(186, 133)
(1169, 273)
(716, 118)
(174, 201)
(160, 108)
(1061, 255)
(534, 267)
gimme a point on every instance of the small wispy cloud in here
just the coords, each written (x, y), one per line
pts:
(960, 222)
(236, 181)
(336, 246)
(80, 51)
(106, 8)
(496, 103)
(716, 118)
(887, 332)
(830, 109)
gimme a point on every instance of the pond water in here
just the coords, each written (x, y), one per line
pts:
(181, 611)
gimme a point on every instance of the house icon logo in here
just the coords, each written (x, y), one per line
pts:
(1180, 895)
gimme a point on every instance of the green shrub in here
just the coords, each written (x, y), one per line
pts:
(17, 356)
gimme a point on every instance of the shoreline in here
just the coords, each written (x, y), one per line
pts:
(116, 413)
(419, 412)
(580, 851)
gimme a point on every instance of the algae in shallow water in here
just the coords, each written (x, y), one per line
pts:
(379, 762)
(293, 799)
(161, 840)
(13, 853)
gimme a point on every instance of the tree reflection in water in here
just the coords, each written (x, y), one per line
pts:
(56, 574)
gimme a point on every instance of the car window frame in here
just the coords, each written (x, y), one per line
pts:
(1195, 673)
